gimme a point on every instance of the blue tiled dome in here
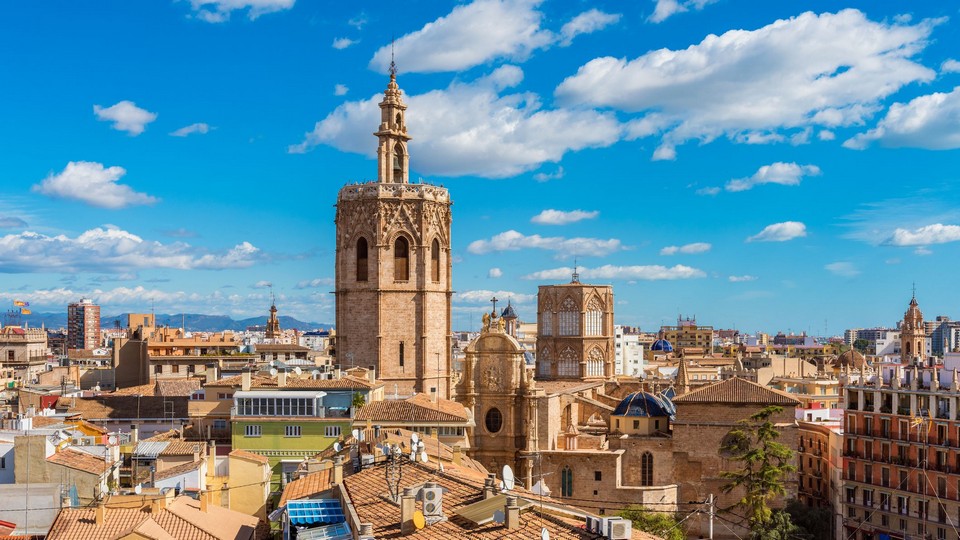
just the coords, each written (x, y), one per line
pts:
(508, 312)
(661, 345)
(645, 404)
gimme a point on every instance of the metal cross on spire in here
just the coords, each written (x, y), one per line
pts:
(494, 300)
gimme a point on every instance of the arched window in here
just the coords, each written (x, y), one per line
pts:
(435, 261)
(399, 121)
(398, 162)
(646, 469)
(595, 363)
(594, 319)
(569, 318)
(362, 259)
(544, 362)
(401, 259)
(494, 420)
(566, 482)
(569, 364)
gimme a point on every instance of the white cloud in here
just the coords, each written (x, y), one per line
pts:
(11, 223)
(565, 247)
(495, 136)
(785, 174)
(742, 279)
(314, 283)
(359, 21)
(922, 250)
(262, 284)
(483, 296)
(843, 269)
(950, 66)
(93, 184)
(826, 135)
(708, 191)
(191, 129)
(665, 8)
(340, 90)
(544, 176)
(646, 273)
(688, 249)
(470, 35)
(936, 233)
(586, 23)
(780, 232)
(217, 11)
(931, 122)
(559, 217)
(343, 43)
(495, 273)
(126, 116)
(764, 84)
(109, 249)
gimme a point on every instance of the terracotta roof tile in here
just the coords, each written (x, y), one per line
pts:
(243, 454)
(294, 382)
(178, 470)
(178, 387)
(413, 409)
(80, 461)
(737, 390)
(184, 448)
(307, 486)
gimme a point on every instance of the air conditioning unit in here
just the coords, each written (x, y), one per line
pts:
(593, 524)
(432, 501)
(619, 529)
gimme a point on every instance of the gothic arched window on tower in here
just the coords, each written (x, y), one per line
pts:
(398, 162)
(401, 259)
(595, 363)
(569, 364)
(362, 259)
(435, 261)
(544, 363)
(569, 318)
(646, 469)
(594, 322)
(399, 122)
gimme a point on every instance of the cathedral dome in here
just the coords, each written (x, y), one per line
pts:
(852, 358)
(661, 345)
(508, 312)
(645, 404)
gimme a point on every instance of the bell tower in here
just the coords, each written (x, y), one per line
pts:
(393, 268)
(912, 333)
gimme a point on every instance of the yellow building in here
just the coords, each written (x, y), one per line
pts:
(249, 483)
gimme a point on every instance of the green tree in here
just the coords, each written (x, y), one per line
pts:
(813, 522)
(861, 345)
(764, 463)
(664, 525)
(358, 400)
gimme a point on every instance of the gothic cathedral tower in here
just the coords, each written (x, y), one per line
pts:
(393, 270)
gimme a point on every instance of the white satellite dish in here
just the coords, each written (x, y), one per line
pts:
(138, 489)
(271, 364)
(544, 534)
(112, 440)
(273, 372)
(423, 456)
(508, 480)
(421, 446)
(297, 370)
(337, 447)
(414, 439)
(356, 434)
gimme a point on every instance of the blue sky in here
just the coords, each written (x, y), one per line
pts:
(761, 165)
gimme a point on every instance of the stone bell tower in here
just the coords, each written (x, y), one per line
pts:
(912, 333)
(393, 270)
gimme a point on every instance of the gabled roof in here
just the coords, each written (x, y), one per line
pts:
(737, 390)
(249, 456)
(80, 461)
(307, 486)
(419, 408)
(294, 382)
(183, 468)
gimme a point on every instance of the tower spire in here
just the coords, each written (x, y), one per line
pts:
(393, 160)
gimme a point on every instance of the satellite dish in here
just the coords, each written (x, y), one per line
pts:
(273, 372)
(337, 447)
(112, 440)
(297, 370)
(498, 516)
(272, 363)
(508, 480)
(423, 456)
(138, 489)
(356, 434)
(96, 388)
(420, 446)
(414, 439)
(418, 520)
(544, 534)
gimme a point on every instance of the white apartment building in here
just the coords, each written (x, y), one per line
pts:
(629, 352)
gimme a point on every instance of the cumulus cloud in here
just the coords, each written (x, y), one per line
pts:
(666, 8)
(262, 284)
(586, 23)
(565, 247)
(688, 249)
(498, 135)
(343, 43)
(742, 279)
(94, 184)
(931, 122)
(314, 283)
(708, 191)
(780, 232)
(217, 11)
(470, 35)
(10, 222)
(545, 176)
(843, 269)
(495, 273)
(764, 85)
(950, 66)
(109, 249)
(936, 233)
(645, 273)
(340, 90)
(126, 116)
(922, 250)
(785, 174)
(199, 127)
(559, 217)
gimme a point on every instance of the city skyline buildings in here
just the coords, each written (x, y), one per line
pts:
(776, 221)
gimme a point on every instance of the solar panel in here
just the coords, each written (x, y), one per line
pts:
(315, 511)
(339, 531)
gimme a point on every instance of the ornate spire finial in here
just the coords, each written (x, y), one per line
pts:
(393, 65)
(576, 274)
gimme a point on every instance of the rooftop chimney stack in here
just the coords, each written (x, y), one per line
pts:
(246, 379)
(338, 469)
(134, 434)
(281, 378)
(457, 455)
(101, 514)
(512, 513)
(490, 486)
(408, 504)
(366, 531)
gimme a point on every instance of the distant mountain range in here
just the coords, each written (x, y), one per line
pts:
(195, 322)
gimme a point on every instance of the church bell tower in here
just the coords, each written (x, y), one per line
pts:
(393, 269)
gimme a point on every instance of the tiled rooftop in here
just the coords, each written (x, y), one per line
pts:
(80, 461)
(183, 468)
(249, 456)
(419, 408)
(737, 390)
(294, 382)
(307, 486)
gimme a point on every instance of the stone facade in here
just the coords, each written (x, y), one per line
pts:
(575, 337)
(393, 269)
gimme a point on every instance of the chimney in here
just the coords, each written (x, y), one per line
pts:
(372, 373)
(281, 378)
(490, 486)
(101, 513)
(245, 380)
(204, 500)
(160, 503)
(134, 434)
(337, 469)
(408, 504)
(512, 513)
(213, 373)
(366, 531)
(457, 454)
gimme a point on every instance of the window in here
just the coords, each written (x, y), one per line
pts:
(291, 431)
(401, 259)
(546, 322)
(398, 162)
(569, 318)
(251, 431)
(224, 395)
(435, 261)
(362, 261)
(566, 482)
(219, 424)
(594, 319)
(595, 363)
(636, 424)
(597, 476)
(401, 354)
(646, 469)
(569, 364)
(543, 362)
(3, 462)
(330, 431)
(494, 420)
